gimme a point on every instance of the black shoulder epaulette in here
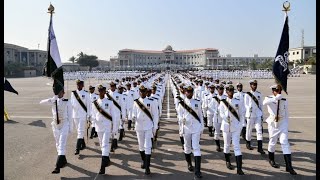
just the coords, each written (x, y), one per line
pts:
(150, 99)
(237, 99)
(96, 94)
(85, 90)
(284, 99)
(125, 94)
(64, 99)
(269, 96)
(258, 92)
(206, 94)
(197, 99)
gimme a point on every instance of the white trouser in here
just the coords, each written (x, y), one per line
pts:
(117, 124)
(104, 138)
(80, 126)
(254, 121)
(192, 140)
(244, 122)
(121, 124)
(210, 120)
(235, 137)
(282, 134)
(61, 137)
(129, 113)
(217, 127)
(144, 140)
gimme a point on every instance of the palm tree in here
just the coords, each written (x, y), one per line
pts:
(72, 59)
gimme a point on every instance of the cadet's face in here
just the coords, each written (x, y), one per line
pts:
(189, 94)
(239, 88)
(148, 93)
(254, 86)
(153, 91)
(220, 91)
(91, 90)
(79, 86)
(230, 93)
(128, 87)
(102, 92)
(135, 85)
(212, 90)
(113, 88)
(120, 90)
(143, 94)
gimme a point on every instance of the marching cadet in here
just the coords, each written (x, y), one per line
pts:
(253, 105)
(130, 96)
(124, 108)
(93, 97)
(62, 125)
(230, 110)
(114, 96)
(205, 92)
(144, 112)
(211, 105)
(207, 108)
(81, 106)
(178, 98)
(278, 122)
(157, 100)
(102, 113)
(191, 120)
(240, 95)
(135, 88)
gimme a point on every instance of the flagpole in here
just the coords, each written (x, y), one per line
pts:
(50, 10)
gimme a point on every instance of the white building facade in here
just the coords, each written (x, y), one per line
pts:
(299, 54)
(169, 59)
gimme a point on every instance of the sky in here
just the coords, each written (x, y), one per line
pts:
(103, 27)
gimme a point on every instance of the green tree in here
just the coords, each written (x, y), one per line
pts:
(13, 69)
(72, 59)
(311, 60)
(253, 65)
(267, 64)
(87, 60)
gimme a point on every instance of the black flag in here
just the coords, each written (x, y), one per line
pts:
(7, 87)
(53, 66)
(280, 67)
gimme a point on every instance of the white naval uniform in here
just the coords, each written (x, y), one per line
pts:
(192, 128)
(129, 102)
(93, 97)
(136, 92)
(124, 109)
(240, 95)
(117, 113)
(61, 130)
(144, 126)
(278, 130)
(231, 130)
(104, 126)
(212, 109)
(253, 115)
(79, 115)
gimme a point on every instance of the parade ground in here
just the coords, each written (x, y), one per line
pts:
(30, 152)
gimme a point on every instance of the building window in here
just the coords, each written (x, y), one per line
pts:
(8, 52)
(293, 53)
(306, 52)
(297, 52)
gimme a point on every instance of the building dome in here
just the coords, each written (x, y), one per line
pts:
(168, 48)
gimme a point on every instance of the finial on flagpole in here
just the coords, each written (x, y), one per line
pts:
(286, 6)
(51, 9)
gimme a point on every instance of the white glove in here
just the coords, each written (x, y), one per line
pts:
(278, 96)
(154, 130)
(55, 97)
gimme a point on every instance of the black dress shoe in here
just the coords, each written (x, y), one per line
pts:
(56, 171)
